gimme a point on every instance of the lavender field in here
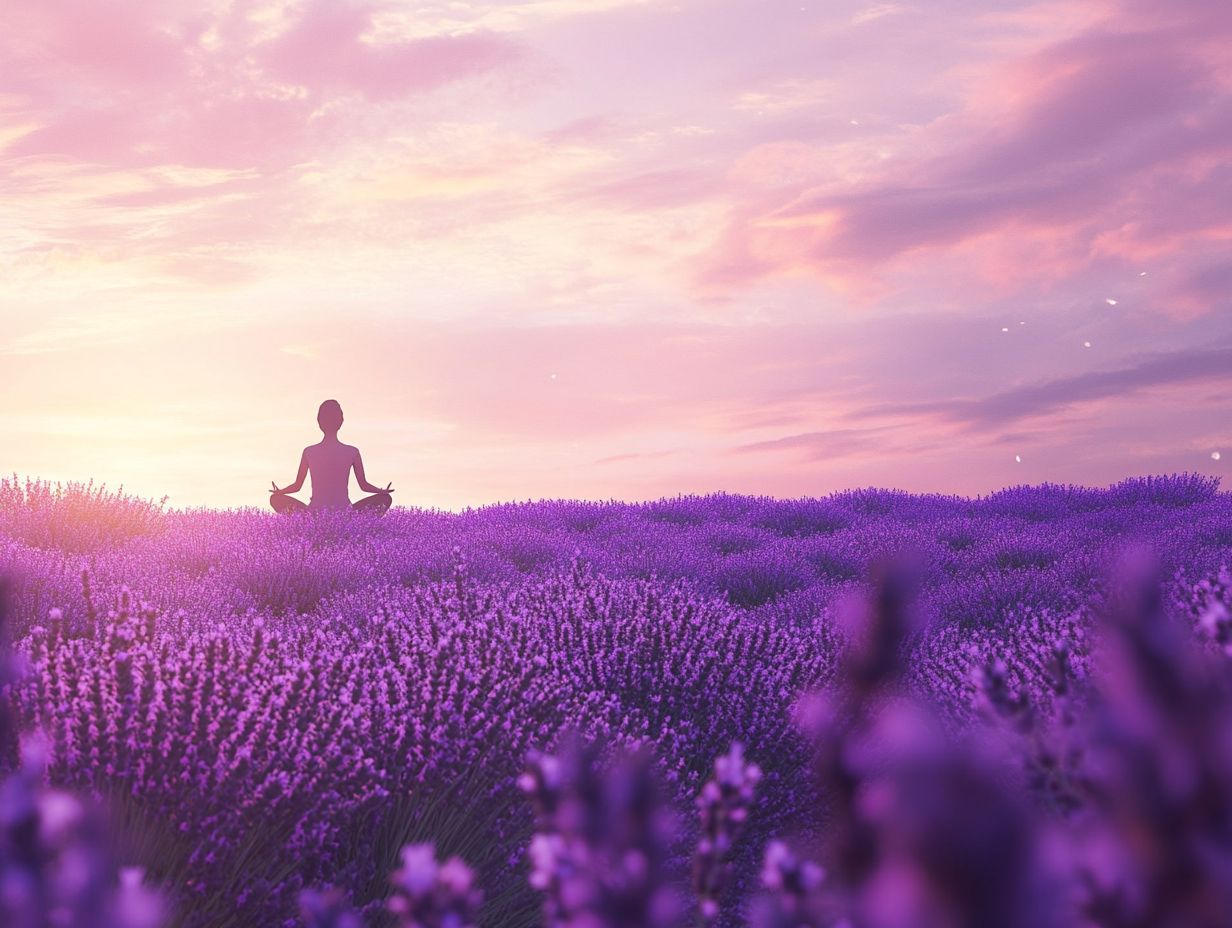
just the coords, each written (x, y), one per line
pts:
(870, 709)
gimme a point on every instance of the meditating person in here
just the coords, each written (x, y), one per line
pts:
(330, 462)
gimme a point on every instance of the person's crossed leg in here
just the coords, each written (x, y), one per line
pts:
(284, 504)
(377, 504)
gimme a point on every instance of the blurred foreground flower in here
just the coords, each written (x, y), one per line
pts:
(1154, 843)
(724, 804)
(926, 830)
(794, 899)
(327, 908)
(603, 842)
(431, 894)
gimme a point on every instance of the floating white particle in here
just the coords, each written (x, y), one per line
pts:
(1005, 328)
(855, 122)
(1018, 458)
(553, 376)
(1215, 455)
(1110, 301)
(1142, 273)
(1022, 323)
(1086, 344)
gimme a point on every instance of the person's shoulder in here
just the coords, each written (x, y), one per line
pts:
(352, 450)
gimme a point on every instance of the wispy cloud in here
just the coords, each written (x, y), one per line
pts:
(325, 50)
(1007, 407)
(824, 445)
(785, 96)
(877, 11)
(431, 19)
(635, 456)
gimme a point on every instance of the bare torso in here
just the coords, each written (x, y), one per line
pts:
(329, 465)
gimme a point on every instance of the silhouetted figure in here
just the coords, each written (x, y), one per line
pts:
(330, 462)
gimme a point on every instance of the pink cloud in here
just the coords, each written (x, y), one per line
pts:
(658, 189)
(164, 194)
(584, 130)
(137, 85)
(323, 51)
(112, 45)
(1085, 135)
(1207, 285)
(1083, 97)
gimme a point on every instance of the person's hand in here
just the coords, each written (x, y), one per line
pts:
(389, 487)
(275, 486)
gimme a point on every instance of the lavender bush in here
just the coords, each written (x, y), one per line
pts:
(268, 707)
(55, 869)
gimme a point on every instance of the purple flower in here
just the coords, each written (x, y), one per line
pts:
(724, 805)
(429, 894)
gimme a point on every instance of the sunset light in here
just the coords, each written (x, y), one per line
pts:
(738, 233)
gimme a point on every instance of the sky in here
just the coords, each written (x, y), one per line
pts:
(615, 249)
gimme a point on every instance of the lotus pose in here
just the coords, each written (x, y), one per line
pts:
(330, 462)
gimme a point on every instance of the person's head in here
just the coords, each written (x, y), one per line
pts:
(329, 416)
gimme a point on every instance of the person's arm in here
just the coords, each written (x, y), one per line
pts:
(363, 480)
(299, 478)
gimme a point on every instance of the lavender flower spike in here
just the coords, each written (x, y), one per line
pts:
(429, 894)
(724, 805)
